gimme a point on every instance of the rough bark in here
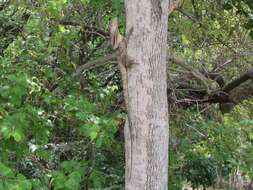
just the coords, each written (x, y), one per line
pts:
(147, 91)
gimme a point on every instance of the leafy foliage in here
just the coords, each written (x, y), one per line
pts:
(63, 131)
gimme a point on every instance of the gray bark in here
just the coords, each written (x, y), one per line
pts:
(147, 167)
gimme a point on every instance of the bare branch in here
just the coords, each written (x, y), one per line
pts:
(219, 67)
(200, 133)
(235, 83)
(198, 75)
(94, 30)
(94, 63)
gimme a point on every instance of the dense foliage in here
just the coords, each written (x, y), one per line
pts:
(61, 107)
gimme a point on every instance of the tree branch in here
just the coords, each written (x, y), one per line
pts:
(198, 75)
(95, 30)
(235, 83)
(94, 63)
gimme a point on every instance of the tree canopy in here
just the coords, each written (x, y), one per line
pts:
(61, 103)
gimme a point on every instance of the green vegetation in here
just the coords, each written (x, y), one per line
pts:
(61, 102)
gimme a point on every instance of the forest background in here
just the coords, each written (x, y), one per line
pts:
(61, 103)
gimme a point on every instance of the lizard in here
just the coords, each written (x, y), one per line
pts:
(119, 43)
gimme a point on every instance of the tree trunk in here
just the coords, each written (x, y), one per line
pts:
(147, 167)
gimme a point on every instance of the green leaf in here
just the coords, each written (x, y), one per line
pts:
(23, 183)
(18, 135)
(68, 166)
(90, 131)
(6, 130)
(10, 185)
(61, 28)
(59, 180)
(5, 171)
(2, 185)
(74, 180)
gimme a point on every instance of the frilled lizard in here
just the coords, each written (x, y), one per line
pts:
(119, 43)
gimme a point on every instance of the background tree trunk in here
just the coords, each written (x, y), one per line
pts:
(147, 91)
